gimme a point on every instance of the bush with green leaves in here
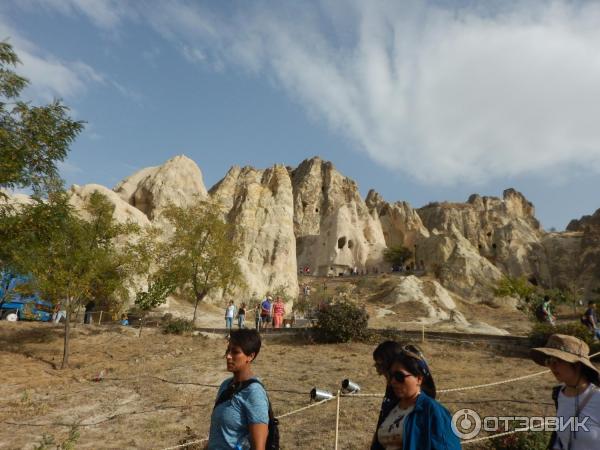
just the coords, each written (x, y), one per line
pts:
(541, 332)
(178, 326)
(526, 440)
(342, 321)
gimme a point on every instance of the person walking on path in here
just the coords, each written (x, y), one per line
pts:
(265, 312)
(257, 316)
(240, 417)
(577, 397)
(590, 319)
(278, 312)
(241, 316)
(229, 315)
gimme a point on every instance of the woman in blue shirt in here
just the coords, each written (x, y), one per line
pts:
(240, 417)
(416, 421)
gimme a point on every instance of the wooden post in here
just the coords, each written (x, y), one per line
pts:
(422, 332)
(337, 419)
(100, 319)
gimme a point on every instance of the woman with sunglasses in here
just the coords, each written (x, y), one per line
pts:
(577, 398)
(240, 416)
(417, 421)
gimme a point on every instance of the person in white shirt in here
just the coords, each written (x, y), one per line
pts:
(229, 315)
(577, 397)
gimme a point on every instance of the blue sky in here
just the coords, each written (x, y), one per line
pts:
(421, 101)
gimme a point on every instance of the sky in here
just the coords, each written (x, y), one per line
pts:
(420, 100)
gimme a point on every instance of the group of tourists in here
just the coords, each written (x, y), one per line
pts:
(410, 418)
(589, 318)
(266, 312)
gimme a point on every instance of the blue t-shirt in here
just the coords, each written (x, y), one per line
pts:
(229, 421)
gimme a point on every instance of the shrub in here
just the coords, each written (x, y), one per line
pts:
(526, 440)
(342, 321)
(541, 332)
(178, 326)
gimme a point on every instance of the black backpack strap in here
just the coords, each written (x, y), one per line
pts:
(233, 389)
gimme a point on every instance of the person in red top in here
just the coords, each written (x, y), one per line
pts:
(278, 313)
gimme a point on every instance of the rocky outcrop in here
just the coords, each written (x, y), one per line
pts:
(176, 182)
(505, 231)
(452, 259)
(335, 231)
(123, 212)
(260, 204)
(400, 223)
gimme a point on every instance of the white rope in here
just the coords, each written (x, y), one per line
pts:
(493, 436)
(304, 408)
(186, 444)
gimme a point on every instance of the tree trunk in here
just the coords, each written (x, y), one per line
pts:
(65, 361)
(195, 310)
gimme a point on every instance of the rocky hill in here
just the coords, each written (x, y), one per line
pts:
(312, 216)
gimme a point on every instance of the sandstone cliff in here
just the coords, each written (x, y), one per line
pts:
(177, 182)
(335, 231)
(260, 204)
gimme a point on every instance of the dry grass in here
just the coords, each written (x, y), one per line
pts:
(133, 410)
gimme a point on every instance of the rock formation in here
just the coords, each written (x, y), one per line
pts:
(176, 182)
(123, 212)
(260, 204)
(335, 231)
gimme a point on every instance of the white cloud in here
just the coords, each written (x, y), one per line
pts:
(49, 77)
(445, 96)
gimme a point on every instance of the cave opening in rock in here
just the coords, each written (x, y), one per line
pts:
(350, 243)
(342, 242)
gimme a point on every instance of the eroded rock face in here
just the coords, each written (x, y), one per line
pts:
(458, 265)
(505, 231)
(177, 182)
(123, 212)
(260, 204)
(335, 231)
(400, 223)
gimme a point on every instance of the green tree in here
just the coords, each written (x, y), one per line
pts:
(519, 288)
(202, 252)
(32, 138)
(148, 257)
(397, 256)
(66, 255)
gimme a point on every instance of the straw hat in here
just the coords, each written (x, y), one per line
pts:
(565, 348)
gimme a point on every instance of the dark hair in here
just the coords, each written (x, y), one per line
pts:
(589, 374)
(417, 367)
(546, 298)
(591, 302)
(248, 340)
(386, 351)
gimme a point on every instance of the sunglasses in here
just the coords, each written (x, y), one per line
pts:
(400, 377)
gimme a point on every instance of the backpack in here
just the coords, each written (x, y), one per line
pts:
(273, 436)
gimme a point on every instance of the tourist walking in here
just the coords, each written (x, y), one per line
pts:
(257, 316)
(240, 416)
(241, 315)
(577, 398)
(278, 312)
(265, 312)
(229, 315)
(417, 421)
(590, 319)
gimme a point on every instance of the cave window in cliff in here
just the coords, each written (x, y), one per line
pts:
(342, 242)
(350, 243)
(489, 234)
(494, 246)
(316, 210)
(304, 205)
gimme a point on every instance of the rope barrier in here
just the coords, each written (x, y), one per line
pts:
(494, 436)
(305, 408)
(186, 444)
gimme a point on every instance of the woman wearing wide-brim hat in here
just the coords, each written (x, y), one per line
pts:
(578, 396)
